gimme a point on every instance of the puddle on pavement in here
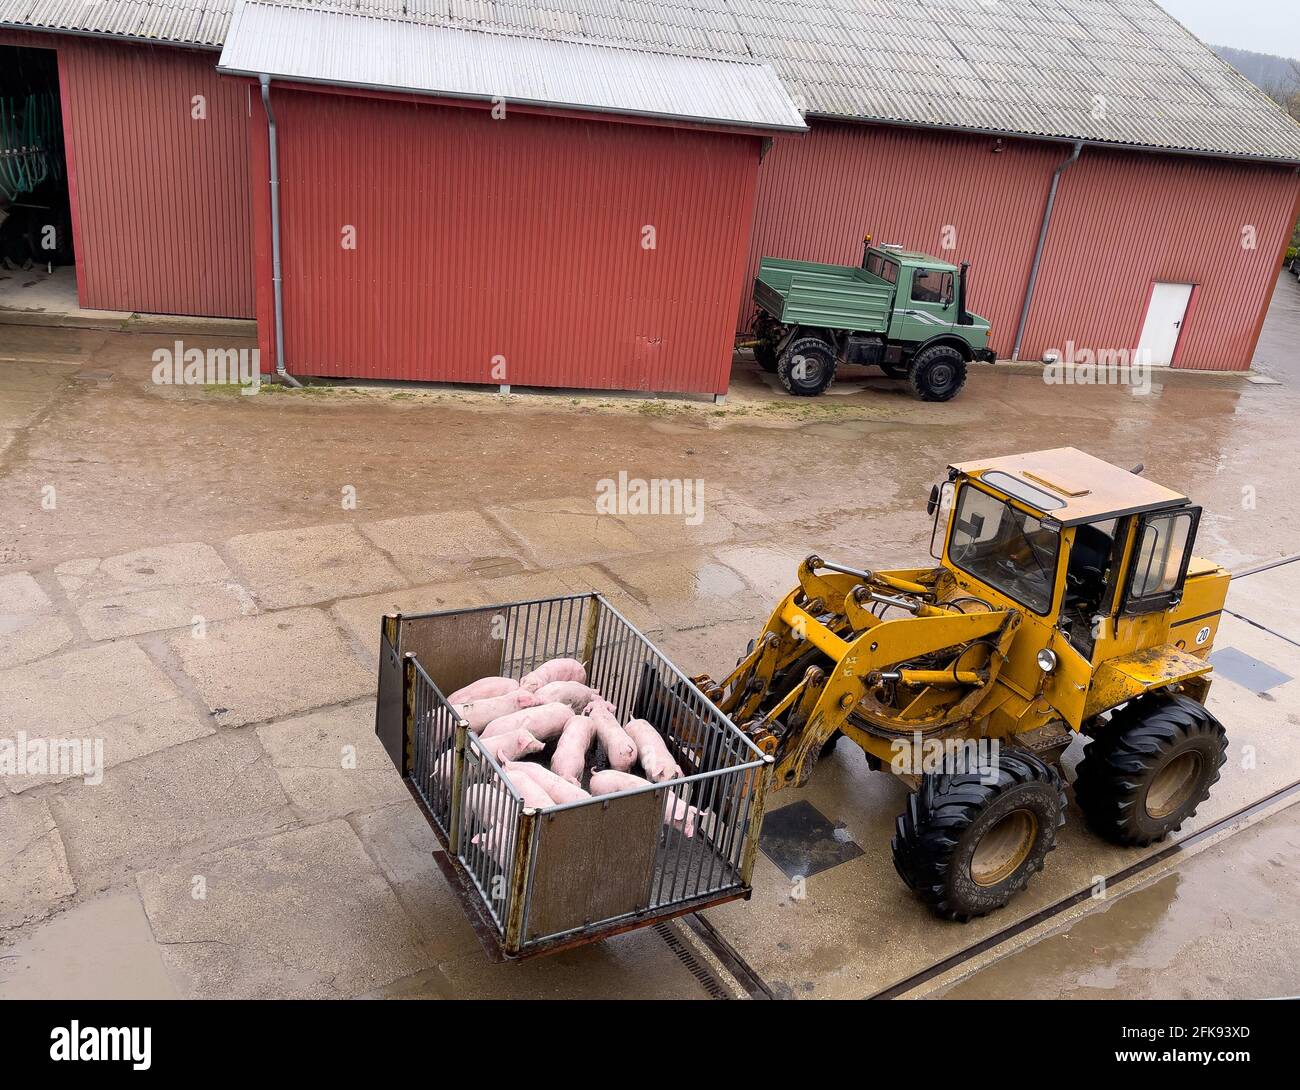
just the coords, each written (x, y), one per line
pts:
(1222, 911)
(99, 949)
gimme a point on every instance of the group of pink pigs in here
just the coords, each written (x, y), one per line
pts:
(515, 719)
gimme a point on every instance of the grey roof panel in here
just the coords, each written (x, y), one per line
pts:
(1021, 67)
(345, 49)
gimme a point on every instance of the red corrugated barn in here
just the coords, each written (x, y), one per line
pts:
(598, 240)
(603, 232)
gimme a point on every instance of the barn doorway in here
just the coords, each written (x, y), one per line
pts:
(37, 263)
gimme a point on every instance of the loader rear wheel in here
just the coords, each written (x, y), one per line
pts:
(937, 373)
(969, 840)
(807, 367)
(765, 355)
(1149, 768)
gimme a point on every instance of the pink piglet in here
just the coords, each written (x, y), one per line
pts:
(617, 743)
(554, 670)
(545, 721)
(570, 756)
(483, 689)
(479, 713)
(656, 761)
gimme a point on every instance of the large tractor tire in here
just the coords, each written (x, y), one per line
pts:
(970, 840)
(937, 373)
(807, 367)
(1149, 768)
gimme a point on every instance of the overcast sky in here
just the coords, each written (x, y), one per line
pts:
(1265, 26)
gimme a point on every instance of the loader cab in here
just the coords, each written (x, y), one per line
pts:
(1094, 551)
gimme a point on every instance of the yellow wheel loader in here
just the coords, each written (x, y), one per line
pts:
(1065, 601)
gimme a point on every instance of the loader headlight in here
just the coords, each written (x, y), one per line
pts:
(1046, 660)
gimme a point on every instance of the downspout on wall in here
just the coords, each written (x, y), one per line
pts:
(276, 280)
(1042, 243)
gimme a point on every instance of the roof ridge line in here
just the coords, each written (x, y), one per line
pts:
(507, 30)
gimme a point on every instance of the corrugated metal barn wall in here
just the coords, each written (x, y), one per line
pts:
(518, 241)
(1122, 220)
(161, 212)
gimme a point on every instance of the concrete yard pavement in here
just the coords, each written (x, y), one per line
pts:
(196, 579)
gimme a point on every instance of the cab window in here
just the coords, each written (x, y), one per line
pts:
(1010, 550)
(931, 286)
(886, 270)
(1160, 558)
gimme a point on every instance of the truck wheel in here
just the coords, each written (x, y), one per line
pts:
(937, 373)
(971, 839)
(765, 354)
(1149, 768)
(807, 367)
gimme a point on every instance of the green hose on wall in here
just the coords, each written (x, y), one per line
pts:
(31, 143)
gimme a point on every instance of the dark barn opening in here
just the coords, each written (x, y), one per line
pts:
(35, 215)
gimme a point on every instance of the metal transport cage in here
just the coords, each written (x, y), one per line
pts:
(534, 881)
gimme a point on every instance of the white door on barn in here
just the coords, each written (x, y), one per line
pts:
(1165, 314)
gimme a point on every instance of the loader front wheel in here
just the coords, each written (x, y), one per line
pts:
(937, 373)
(1149, 768)
(969, 840)
(807, 367)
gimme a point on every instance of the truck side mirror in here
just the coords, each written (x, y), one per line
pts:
(932, 504)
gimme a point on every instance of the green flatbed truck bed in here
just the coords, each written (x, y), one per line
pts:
(830, 296)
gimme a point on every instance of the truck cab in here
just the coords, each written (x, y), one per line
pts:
(929, 296)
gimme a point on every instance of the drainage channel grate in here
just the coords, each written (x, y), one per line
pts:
(710, 983)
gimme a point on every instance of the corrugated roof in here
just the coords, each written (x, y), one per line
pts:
(187, 22)
(1110, 71)
(357, 50)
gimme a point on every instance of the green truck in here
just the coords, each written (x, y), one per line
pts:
(903, 312)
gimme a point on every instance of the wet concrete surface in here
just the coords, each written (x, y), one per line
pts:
(1222, 925)
(197, 577)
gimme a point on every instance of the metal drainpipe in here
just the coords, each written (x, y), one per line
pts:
(276, 283)
(1042, 242)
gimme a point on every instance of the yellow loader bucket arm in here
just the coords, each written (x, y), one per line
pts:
(829, 653)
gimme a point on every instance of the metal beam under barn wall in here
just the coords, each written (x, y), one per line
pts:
(1042, 242)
